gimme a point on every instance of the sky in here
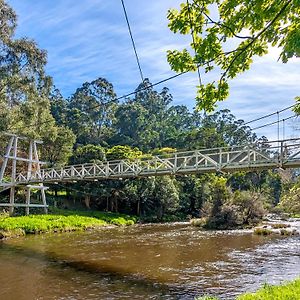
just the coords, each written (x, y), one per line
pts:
(89, 39)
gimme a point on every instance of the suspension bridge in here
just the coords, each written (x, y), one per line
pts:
(268, 155)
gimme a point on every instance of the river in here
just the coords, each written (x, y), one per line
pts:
(158, 261)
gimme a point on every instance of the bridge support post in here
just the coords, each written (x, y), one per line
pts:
(32, 161)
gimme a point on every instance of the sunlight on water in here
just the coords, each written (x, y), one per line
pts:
(171, 261)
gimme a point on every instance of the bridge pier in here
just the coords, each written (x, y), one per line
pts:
(11, 183)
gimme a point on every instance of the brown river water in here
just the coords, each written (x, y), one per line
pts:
(169, 261)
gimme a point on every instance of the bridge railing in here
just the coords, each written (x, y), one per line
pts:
(265, 155)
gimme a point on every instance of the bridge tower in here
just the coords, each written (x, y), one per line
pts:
(8, 174)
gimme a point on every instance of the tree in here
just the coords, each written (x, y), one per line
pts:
(21, 61)
(145, 121)
(227, 35)
(88, 154)
(290, 200)
(59, 107)
(219, 129)
(123, 152)
(57, 148)
(91, 111)
(25, 89)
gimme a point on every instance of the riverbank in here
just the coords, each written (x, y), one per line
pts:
(60, 221)
(287, 291)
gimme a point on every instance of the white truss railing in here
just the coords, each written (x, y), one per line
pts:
(284, 155)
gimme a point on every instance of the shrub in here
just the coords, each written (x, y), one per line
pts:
(288, 232)
(199, 222)
(249, 206)
(262, 231)
(290, 201)
(280, 225)
(238, 209)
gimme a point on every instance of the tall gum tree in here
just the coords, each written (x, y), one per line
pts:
(25, 91)
(227, 35)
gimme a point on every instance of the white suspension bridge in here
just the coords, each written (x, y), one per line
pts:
(269, 155)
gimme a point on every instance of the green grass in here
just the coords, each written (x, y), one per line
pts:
(108, 217)
(60, 221)
(287, 291)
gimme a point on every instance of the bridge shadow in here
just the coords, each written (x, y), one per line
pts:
(109, 273)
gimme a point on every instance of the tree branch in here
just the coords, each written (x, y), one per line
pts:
(225, 26)
(254, 39)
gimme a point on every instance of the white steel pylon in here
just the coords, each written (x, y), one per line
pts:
(32, 162)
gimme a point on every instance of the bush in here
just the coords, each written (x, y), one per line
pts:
(262, 231)
(200, 222)
(280, 225)
(290, 201)
(231, 210)
(250, 207)
(88, 154)
(123, 152)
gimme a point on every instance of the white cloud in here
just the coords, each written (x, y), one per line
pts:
(88, 39)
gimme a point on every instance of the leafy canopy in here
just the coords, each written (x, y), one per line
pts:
(226, 35)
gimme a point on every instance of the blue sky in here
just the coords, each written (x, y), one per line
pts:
(89, 39)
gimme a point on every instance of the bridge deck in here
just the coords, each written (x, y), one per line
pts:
(199, 161)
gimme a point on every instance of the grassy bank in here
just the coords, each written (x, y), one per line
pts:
(287, 291)
(60, 221)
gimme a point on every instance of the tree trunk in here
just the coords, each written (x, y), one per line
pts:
(87, 200)
(138, 210)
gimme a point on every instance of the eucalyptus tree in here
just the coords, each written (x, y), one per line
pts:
(91, 111)
(21, 61)
(25, 89)
(150, 121)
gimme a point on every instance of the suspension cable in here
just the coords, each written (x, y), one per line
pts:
(132, 40)
(270, 115)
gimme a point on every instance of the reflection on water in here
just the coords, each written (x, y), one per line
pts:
(144, 262)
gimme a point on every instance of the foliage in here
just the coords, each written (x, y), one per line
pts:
(226, 35)
(199, 222)
(24, 91)
(250, 207)
(290, 201)
(262, 231)
(92, 125)
(226, 209)
(164, 151)
(87, 154)
(58, 148)
(91, 111)
(297, 107)
(154, 196)
(287, 291)
(123, 152)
